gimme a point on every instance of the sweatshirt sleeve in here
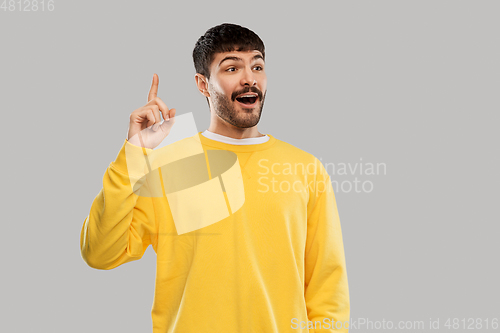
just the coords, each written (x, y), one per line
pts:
(326, 288)
(121, 224)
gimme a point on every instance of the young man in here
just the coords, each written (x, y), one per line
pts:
(271, 259)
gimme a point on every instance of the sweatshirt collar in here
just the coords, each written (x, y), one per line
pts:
(236, 147)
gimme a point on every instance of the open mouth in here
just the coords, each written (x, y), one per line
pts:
(248, 101)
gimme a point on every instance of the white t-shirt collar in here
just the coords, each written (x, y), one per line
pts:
(233, 141)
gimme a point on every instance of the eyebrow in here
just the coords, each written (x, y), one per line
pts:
(257, 56)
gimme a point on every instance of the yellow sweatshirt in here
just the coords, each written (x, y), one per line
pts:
(256, 248)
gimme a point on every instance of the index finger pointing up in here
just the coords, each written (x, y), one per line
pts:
(154, 88)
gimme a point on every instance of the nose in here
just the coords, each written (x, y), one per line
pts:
(248, 78)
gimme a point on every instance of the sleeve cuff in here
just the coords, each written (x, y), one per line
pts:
(133, 161)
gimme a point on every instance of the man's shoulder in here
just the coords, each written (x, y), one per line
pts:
(296, 155)
(294, 150)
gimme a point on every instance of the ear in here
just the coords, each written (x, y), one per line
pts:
(202, 84)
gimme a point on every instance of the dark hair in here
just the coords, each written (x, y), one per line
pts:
(225, 37)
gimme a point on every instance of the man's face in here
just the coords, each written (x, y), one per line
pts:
(235, 74)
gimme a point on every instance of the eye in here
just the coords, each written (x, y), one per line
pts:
(229, 69)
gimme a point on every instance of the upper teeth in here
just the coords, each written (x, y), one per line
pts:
(247, 96)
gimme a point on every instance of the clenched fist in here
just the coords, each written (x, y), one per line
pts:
(145, 128)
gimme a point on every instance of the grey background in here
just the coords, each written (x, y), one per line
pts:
(412, 84)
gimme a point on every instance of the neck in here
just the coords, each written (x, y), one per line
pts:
(233, 131)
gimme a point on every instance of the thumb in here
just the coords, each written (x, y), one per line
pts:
(167, 124)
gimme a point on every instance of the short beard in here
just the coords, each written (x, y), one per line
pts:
(225, 109)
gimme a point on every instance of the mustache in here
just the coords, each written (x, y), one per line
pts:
(248, 90)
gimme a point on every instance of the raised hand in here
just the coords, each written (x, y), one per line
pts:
(145, 128)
